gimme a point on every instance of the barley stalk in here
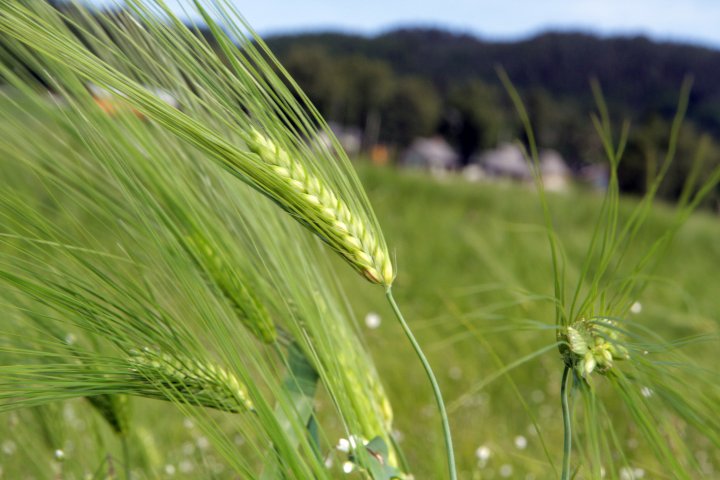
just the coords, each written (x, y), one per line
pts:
(322, 210)
(197, 382)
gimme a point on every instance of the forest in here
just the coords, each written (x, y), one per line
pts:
(418, 82)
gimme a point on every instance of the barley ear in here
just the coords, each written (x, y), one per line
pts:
(317, 207)
(171, 377)
(247, 307)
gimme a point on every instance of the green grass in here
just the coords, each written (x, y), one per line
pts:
(472, 257)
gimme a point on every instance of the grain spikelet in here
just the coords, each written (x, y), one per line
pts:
(319, 208)
(190, 380)
(248, 308)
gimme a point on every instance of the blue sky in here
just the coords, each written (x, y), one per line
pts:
(694, 21)
(697, 21)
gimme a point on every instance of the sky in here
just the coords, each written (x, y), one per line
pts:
(694, 21)
(691, 21)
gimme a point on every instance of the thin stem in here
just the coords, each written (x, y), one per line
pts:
(433, 382)
(567, 427)
(126, 455)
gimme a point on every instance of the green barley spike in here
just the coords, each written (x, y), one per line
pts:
(593, 346)
(319, 208)
(170, 376)
(248, 308)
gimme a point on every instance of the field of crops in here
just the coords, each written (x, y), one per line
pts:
(197, 282)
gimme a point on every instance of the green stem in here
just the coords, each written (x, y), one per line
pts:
(567, 427)
(126, 455)
(433, 382)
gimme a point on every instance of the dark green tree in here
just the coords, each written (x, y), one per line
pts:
(412, 110)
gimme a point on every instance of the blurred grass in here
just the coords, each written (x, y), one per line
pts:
(473, 262)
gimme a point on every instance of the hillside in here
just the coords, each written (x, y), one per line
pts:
(637, 74)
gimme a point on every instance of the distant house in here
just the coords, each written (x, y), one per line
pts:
(556, 175)
(596, 175)
(473, 172)
(508, 161)
(432, 153)
(505, 161)
(350, 138)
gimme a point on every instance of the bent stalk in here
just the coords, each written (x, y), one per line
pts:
(433, 382)
(567, 428)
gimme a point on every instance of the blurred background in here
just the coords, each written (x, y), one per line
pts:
(416, 83)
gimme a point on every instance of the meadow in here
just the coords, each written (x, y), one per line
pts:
(477, 273)
(195, 290)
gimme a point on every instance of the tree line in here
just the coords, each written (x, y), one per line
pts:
(407, 83)
(417, 82)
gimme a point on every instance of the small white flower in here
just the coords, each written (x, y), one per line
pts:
(455, 373)
(202, 443)
(343, 445)
(186, 466)
(350, 443)
(537, 396)
(59, 455)
(372, 320)
(187, 448)
(9, 447)
(483, 453)
(170, 469)
(546, 411)
(628, 473)
(636, 308)
(348, 467)
(646, 392)
(506, 470)
(520, 442)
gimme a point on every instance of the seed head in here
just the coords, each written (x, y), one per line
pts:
(322, 211)
(593, 346)
(115, 409)
(196, 382)
(248, 308)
